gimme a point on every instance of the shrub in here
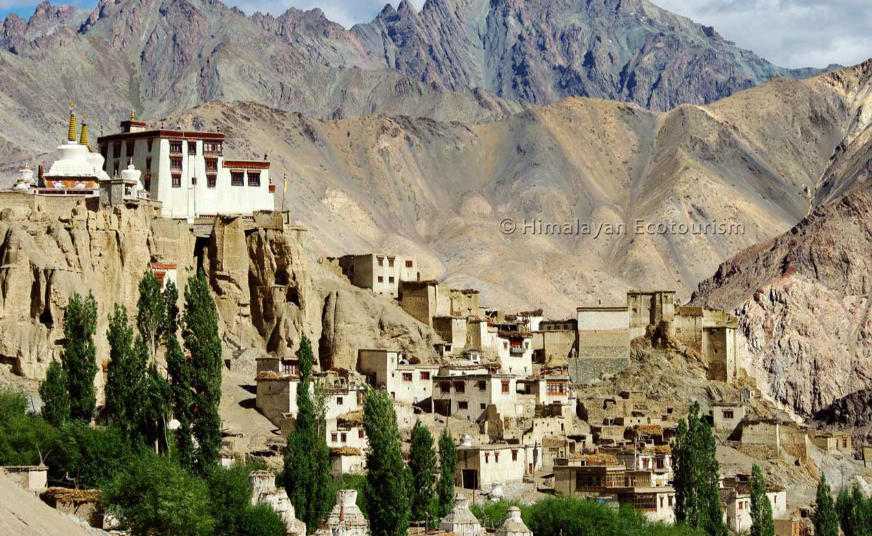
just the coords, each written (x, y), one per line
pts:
(155, 496)
(24, 439)
(91, 456)
(492, 514)
(260, 520)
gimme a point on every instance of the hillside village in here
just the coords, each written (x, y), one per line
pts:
(534, 402)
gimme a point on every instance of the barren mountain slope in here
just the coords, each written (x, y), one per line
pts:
(804, 307)
(161, 57)
(439, 190)
(544, 50)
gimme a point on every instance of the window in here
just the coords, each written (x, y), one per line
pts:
(116, 169)
(482, 406)
(148, 143)
(496, 457)
(391, 262)
(211, 180)
(381, 279)
(254, 179)
(487, 457)
(741, 505)
(212, 147)
(463, 405)
(176, 163)
(425, 375)
(391, 280)
(339, 401)
(104, 150)
(409, 264)
(177, 181)
(381, 261)
(407, 376)
(237, 178)
(334, 437)
(728, 415)
(445, 387)
(211, 164)
(505, 386)
(147, 183)
(459, 387)
(148, 164)
(514, 455)
(192, 148)
(344, 438)
(360, 433)
(482, 385)
(176, 146)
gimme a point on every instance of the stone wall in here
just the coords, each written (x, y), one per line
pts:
(585, 370)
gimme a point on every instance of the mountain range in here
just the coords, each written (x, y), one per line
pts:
(455, 60)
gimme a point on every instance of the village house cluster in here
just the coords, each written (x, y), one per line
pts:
(512, 384)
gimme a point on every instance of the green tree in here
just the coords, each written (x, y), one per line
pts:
(79, 355)
(90, 456)
(179, 371)
(125, 374)
(306, 474)
(230, 497)
(761, 508)
(151, 312)
(157, 497)
(855, 512)
(826, 519)
(53, 391)
(24, 439)
(387, 479)
(447, 467)
(422, 465)
(697, 500)
(200, 333)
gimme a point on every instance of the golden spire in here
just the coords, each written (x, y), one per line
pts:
(132, 115)
(83, 140)
(72, 134)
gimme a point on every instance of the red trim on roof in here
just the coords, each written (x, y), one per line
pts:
(247, 164)
(161, 134)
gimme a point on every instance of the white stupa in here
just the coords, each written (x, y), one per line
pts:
(24, 181)
(514, 525)
(77, 167)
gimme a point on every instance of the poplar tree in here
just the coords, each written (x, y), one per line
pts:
(179, 371)
(79, 355)
(387, 480)
(697, 500)
(761, 509)
(855, 512)
(151, 312)
(306, 471)
(422, 465)
(200, 333)
(447, 467)
(53, 391)
(125, 375)
(826, 519)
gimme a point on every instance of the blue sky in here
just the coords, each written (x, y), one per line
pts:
(792, 33)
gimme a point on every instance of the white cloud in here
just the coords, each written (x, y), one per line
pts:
(792, 33)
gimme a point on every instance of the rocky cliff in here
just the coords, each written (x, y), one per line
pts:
(268, 291)
(804, 305)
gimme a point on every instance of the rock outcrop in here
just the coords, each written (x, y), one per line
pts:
(268, 291)
(804, 305)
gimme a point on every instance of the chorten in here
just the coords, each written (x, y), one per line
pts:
(25, 181)
(461, 520)
(77, 168)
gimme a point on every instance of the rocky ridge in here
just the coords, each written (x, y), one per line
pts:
(804, 305)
